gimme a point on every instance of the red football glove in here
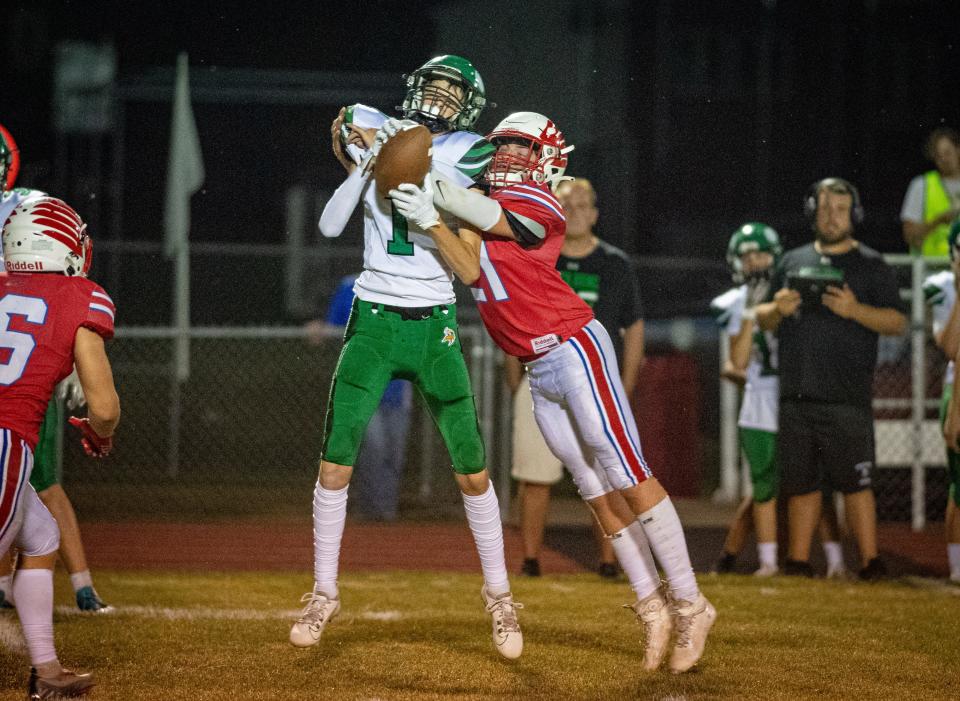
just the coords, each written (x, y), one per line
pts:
(94, 445)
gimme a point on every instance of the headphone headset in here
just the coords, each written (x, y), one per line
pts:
(811, 201)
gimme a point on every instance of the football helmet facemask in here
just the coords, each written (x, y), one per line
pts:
(462, 100)
(44, 234)
(9, 160)
(750, 237)
(545, 161)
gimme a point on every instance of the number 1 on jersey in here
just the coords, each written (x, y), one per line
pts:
(493, 279)
(399, 244)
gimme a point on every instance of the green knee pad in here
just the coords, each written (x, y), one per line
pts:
(760, 447)
(44, 474)
(358, 384)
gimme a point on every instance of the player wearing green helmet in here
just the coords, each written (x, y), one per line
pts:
(752, 253)
(940, 292)
(445, 94)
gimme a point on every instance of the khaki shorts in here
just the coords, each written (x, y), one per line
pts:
(532, 459)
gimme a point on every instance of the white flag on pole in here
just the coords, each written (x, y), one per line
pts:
(184, 164)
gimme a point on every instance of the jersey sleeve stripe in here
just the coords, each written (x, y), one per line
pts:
(101, 295)
(101, 308)
(539, 200)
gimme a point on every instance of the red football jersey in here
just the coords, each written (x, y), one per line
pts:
(39, 317)
(524, 303)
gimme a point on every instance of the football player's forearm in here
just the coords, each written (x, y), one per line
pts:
(340, 206)
(457, 253)
(768, 316)
(949, 338)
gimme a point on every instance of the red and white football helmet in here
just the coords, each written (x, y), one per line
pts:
(547, 157)
(9, 159)
(44, 234)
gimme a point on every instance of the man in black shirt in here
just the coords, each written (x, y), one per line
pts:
(833, 298)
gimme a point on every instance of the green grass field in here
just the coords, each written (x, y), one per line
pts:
(414, 635)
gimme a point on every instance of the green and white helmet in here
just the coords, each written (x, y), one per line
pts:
(752, 236)
(423, 104)
(953, 239)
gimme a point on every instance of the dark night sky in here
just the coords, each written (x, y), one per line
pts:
(853, 93)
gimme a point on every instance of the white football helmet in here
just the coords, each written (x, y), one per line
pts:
(44, 234)
(546, 161)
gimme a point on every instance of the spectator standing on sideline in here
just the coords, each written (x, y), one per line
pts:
(940, 291)
(606, 279)
(933, 199)
(833, 299)
(383, 452)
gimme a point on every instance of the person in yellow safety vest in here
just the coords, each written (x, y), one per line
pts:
(933, 199)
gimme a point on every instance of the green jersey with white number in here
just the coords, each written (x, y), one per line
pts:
(401, 264)
(761, 394)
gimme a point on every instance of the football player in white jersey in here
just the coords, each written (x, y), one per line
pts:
(752, 252)
(940, 291)
(403, 325)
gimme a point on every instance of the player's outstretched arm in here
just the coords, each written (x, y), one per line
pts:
(96, 377)
(336, 213)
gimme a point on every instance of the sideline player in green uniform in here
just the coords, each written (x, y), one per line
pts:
(940, 291)
(404, 325)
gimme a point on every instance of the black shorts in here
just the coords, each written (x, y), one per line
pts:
(824, 445)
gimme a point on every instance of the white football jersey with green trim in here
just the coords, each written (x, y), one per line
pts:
(941, 294)
(401, 265)
(759, 408)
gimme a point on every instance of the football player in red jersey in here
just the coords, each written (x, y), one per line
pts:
(51, 317)
(507, 250)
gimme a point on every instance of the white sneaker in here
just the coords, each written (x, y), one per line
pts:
(692, 621)
(767, 571)
(320, 609)
(506, 628)
(653, 613)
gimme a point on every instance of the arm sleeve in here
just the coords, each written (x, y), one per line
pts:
(337, 211)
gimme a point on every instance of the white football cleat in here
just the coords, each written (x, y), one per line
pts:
(653, 613)
(320, 609)
(693, 621)
(506, 628)
(767, 571)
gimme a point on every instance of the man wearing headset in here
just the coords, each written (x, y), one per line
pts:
(831, 300)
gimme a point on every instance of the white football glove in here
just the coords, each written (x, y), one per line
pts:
(71, 392)
(393, 126)
(416, 204)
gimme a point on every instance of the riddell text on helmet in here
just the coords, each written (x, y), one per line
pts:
(21, 266)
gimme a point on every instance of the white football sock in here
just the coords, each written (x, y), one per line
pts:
(33, 590)
(329, 516)
(767, 554)
(483, 515)
(633, 554)
(662, 527)
(79, 580)
(953, 557)
(833, 551)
